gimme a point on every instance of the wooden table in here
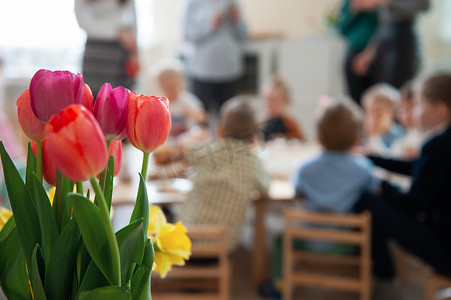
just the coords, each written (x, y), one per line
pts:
(280, 160)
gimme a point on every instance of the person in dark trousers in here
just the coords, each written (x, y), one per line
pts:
(357, 28)
(393, 55)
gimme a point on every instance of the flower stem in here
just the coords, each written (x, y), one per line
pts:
(39, 160)
(109, 231)
(145, 165)
(104, 172)
(80, 187)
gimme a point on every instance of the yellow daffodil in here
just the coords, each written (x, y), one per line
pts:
(157, 220)
(5, 214)
(172, 245)
(51, 194)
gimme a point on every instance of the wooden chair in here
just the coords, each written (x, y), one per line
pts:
(435, 282)
(199, 280)
(335, 271)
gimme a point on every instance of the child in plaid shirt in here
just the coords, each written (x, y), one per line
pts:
(228, 174)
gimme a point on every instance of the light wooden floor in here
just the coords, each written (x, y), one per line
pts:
(411, 282)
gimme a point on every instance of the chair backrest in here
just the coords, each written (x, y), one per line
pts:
(207, 276)
(343, 229)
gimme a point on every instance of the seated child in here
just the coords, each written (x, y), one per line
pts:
(408, 145)
(344, 176)
(380, 103)
(333, 181)
(227, 173)
(277, 97)
(419, 219)
(186, 109)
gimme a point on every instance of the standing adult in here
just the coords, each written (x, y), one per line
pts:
(357, 27)
(111, 50)
(215, 32)
(395, 51)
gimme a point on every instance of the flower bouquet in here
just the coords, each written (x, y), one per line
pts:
(64, 246)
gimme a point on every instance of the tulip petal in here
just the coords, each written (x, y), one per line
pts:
(76, 143)
(50, 92)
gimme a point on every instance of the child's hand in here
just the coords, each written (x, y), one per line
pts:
(362, 61)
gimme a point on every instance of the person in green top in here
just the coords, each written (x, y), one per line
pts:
(357, 27)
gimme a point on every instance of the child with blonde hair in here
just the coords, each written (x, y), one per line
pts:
(380, 103)
(186, 109)
(277, 97)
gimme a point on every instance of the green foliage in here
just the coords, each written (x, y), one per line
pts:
(63, 252)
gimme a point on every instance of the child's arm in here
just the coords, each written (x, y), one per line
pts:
(293, 128)
(262, 177)
(397, 166)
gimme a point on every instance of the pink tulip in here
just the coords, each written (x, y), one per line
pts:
(76, 143)
(148, 121)
(88, 98)
(50, 92)
(31, 125)
(48, 166)
(110, 110)
(116, 151)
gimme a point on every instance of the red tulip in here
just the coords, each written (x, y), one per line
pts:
(88, 98)
(76, 143)
(31, 125)
(50, 92)
(110, 110)
(116, 151)
(48, 166)
(148, 121)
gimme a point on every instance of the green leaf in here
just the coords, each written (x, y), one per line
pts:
(108, 191)
(61, 205)
(94, 234)
(106, 183)
(68, 188)
(143, 288)
(82, 262)
(141, 209)
(13, 271)
(47, 222)
(136, 280)
(131, 248)
(7, 229)
(23, 207)
(35, 274)
(60, 270)
(93, 279)
(31, 168)
(106, 292)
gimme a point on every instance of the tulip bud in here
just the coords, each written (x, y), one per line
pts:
(50, 92)
(31, 125)
(88, 98)
(110, 111)
(48, 166)
(76, 143)
(148, 121)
